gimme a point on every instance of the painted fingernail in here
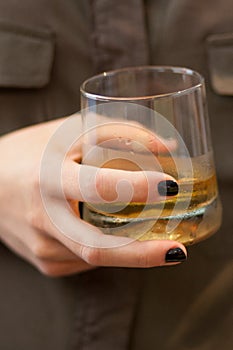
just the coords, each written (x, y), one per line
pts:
(175, 255)
(168, 188)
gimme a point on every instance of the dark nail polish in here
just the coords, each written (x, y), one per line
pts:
(168, 188)
(175, 255)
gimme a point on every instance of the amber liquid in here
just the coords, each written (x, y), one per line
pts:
(192, 215)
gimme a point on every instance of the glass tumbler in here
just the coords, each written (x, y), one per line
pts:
(152, 119)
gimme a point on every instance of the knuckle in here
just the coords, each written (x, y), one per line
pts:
(49, 270)
(35, 181)
(35, 214)
(41, 250)
(143, 260)
(34, 219)
(106, 185)
(52, 269)
(91, 255)
(99, 183)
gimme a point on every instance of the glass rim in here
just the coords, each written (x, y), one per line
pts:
(174, 69)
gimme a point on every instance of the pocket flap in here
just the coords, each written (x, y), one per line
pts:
(220, 57)
(26, 56)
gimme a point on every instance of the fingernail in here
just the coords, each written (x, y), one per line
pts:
(168, 188)
(175, 255)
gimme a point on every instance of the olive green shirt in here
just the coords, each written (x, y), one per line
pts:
(47, 49)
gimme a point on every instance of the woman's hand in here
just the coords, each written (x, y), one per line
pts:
(26, 228)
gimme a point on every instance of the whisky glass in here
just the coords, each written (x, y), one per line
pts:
(170, 104)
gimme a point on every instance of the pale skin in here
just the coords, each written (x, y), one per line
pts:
(26, 228)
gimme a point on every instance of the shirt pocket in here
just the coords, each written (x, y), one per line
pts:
(220, 62)
(26, 56)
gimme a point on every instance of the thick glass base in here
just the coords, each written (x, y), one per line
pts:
(187, 228)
